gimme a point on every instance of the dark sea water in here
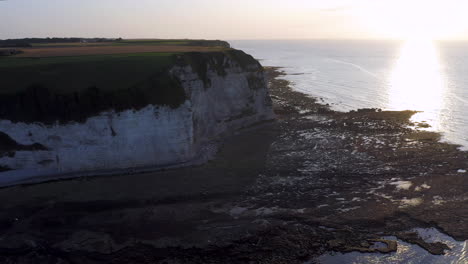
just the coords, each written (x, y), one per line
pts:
(393, 75)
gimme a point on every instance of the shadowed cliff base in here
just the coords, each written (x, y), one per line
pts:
(284, 192)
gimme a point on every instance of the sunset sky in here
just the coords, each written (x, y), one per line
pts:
(240, 19)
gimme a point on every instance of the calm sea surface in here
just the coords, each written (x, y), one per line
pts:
(394, 75)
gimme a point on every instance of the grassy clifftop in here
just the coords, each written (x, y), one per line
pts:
(57, 42)
(73, 88)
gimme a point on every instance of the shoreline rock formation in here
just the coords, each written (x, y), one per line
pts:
(96, 131)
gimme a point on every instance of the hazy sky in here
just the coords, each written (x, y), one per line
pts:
(234, 19)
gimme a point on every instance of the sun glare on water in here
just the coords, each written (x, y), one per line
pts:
(417, 82)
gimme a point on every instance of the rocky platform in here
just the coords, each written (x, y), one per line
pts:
(287, 191)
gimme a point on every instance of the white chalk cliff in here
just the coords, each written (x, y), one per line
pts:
(151, 137)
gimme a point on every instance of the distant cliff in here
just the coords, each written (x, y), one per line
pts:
(166, 119)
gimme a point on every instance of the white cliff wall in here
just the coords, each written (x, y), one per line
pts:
(154, 136)
(229, 103)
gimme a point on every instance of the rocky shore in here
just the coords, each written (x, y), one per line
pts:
(311, 182)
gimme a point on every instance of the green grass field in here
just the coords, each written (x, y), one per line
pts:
(73, 88)
(69, 74)
(106, 72)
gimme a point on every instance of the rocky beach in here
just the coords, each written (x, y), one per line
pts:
(286, 191)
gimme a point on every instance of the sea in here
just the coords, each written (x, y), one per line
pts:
(422, 75)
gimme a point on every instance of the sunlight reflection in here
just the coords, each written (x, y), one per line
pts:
(417, 83)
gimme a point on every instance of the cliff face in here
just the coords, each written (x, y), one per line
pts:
(218, 93)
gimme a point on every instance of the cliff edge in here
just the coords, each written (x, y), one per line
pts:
(72, 116)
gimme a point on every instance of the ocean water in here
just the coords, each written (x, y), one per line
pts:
(422, 75)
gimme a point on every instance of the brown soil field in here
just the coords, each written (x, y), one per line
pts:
(80, 51)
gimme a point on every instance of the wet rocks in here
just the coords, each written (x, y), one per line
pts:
(17, 244)
(389, 246)
(87, 241)
(437, 248)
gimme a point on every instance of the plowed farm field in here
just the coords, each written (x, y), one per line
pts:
(99, 50)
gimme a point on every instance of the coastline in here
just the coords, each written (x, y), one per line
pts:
(314, 181)
(389, 131)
